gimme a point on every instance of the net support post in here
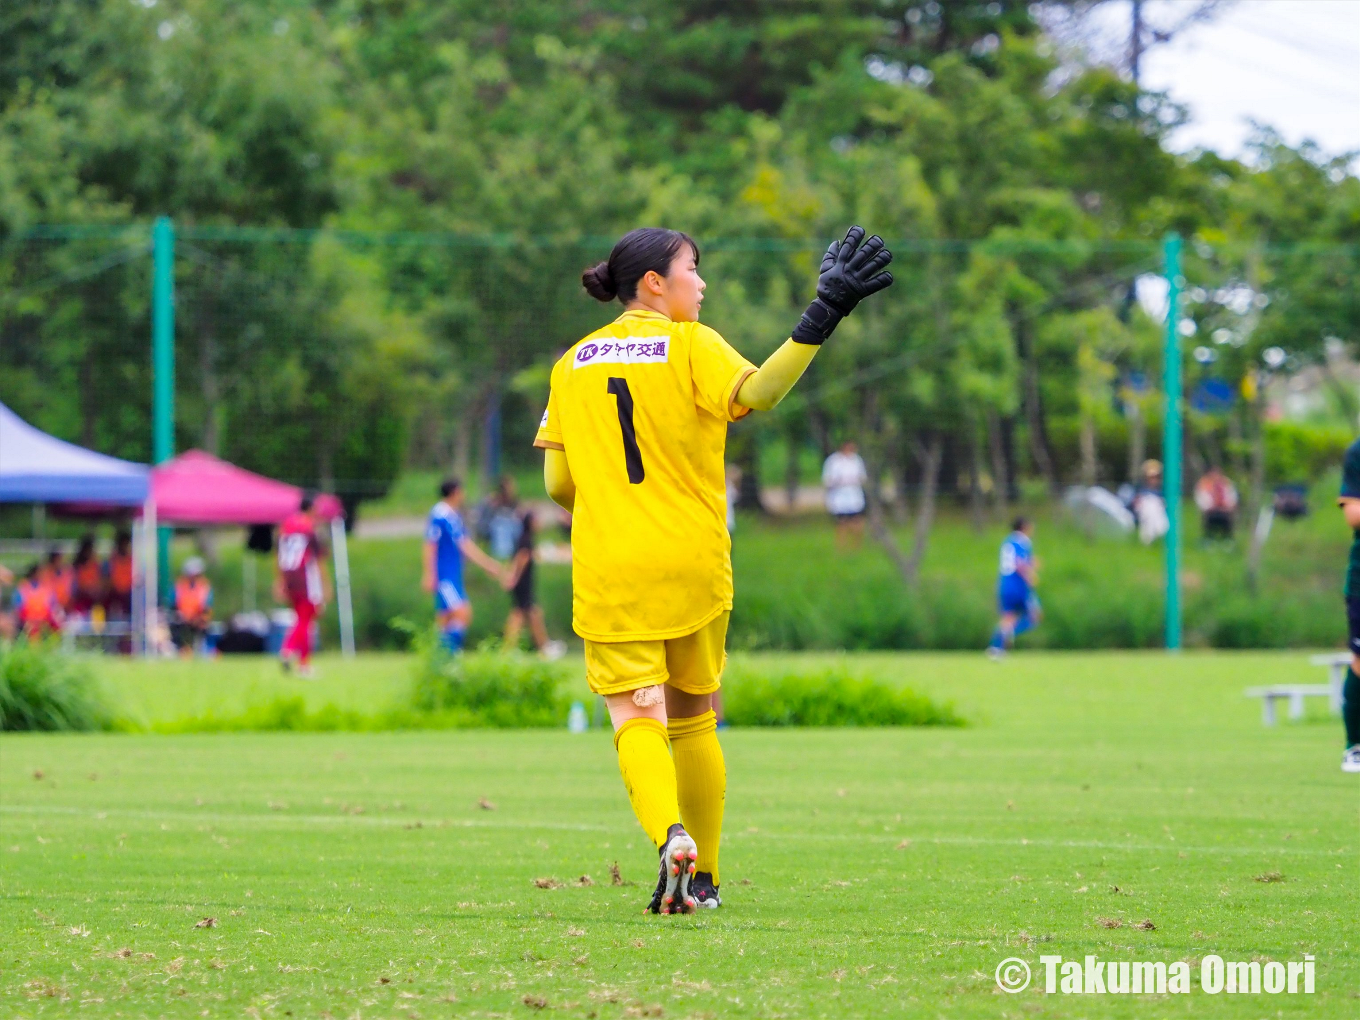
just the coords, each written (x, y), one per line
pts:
(343, 599)
(1171, 438)
(163, 369)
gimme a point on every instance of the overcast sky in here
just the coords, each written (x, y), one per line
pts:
(1291, 64)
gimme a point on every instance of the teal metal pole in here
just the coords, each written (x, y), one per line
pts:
(1171, 440)
(163, 369)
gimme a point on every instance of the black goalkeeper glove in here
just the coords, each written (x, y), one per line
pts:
(850, 273)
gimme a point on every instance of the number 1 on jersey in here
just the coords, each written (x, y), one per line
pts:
(632, 456)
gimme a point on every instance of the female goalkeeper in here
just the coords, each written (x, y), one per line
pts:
(634, 432)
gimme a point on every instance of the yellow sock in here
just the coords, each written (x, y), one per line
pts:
(649, 775)
(701, 781)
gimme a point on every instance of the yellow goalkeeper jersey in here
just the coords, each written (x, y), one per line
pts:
(641, 409)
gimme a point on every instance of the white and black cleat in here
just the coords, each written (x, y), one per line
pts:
(1350, 761)
(678, 855)
(704, 891)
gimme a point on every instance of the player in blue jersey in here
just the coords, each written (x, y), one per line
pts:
(446, 544)
(1018, 606)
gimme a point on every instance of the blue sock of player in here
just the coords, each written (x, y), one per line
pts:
(452, 638)
(1023, 624)
(998, 638)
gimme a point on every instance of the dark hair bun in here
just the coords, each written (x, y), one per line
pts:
(599, 282)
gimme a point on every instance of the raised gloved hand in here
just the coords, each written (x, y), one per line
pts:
(850, 272)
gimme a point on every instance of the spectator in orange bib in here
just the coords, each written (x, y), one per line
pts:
(37, 610)
(118, 597)
(193, 606)
(89, 578)
(60, 578)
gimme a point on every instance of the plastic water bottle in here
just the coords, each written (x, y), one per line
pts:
(576, 718)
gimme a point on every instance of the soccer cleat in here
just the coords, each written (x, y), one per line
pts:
(995, 654)
(1350, 761)
(676, 872)
(704, 891)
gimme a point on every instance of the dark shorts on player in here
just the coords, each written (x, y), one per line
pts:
(852, 516)
(1353, 619)
(522, 594)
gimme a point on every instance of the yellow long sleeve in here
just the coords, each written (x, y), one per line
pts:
(557, 479)
(773, 380)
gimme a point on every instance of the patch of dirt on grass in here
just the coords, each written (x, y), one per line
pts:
(1268, 876)
(547, 883)
(46, 990)
(1109, 922)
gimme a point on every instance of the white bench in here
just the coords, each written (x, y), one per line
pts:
(1336, 663)
(75, 628)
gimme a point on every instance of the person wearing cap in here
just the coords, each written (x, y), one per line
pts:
(193, 606)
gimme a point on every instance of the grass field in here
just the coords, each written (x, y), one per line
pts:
(866, 873)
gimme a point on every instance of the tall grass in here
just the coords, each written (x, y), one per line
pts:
(831, 697)
(480, 689)
(489, 688)
(43, 689)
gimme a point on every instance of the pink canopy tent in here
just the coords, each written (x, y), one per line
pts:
(198, 488)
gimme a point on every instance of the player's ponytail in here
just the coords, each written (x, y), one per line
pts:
(638, 252)
(599, 282)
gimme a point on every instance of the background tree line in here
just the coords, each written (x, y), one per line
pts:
(384, 208)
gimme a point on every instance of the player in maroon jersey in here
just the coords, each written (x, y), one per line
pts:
(302, 583)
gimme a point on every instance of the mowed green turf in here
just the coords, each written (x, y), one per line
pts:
(866, 873)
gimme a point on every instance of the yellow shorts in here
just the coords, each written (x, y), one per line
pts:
(693, 663)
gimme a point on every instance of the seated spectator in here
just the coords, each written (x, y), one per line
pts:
(6, 617)
(59, 576)
(118, 579)
(192, 607)
(1216, 497)
(36, 609)
(89, 578)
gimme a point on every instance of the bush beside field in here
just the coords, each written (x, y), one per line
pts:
(41, 689)
(831, 697)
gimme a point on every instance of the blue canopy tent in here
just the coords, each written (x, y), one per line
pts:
(38, 468)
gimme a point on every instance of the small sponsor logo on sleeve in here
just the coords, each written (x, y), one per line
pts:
(544, 423)
(624, 351)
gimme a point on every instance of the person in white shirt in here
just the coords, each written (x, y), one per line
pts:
(844, 476)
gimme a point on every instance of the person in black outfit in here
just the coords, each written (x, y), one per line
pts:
(1349, 501)
(519, 581)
